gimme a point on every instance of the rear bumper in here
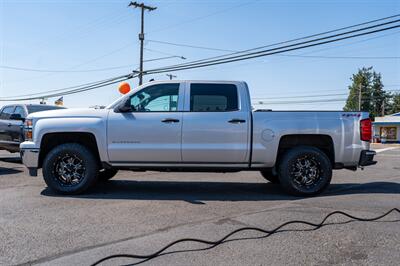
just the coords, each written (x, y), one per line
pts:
(30, 158)
(367, 158)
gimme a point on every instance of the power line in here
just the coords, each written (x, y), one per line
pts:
(69, 90)
(305, 101)
(63, 70)
(166, 57)
(289, 55)
(62, 89)
(73, 67)
(303, 96)
(267, 101)
(243, 56)
(297, 39)
(191, 46)
(91, 26)
(274, 50)
(202, 17)
(340, 57)
(83, 70)
(351, 43)
(159, 52)
(310, 41)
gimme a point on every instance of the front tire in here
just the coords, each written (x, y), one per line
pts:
(305, 171)
(70, 168)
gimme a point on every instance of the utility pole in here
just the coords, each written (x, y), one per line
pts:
(171, 76)
(359, 97)
(143, 7)
(383, 107)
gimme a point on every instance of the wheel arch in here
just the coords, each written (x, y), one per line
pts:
(51, 140)
(320, 141)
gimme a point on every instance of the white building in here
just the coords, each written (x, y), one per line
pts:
(386, 129)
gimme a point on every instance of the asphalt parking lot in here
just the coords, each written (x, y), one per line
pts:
(141, 212)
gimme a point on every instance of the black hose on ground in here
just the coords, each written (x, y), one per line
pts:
(212, 244)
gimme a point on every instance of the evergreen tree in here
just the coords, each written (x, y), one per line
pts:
(380, 99)
(374, 99)
(395, 106)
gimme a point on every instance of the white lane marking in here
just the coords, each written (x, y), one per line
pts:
(385, 149)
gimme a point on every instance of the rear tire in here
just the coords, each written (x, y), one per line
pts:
(269, 175)
(70, 168)
(107, 174)
(305, 171)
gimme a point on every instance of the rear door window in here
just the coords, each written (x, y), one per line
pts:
(213, 97)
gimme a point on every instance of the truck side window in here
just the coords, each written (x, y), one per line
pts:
(7, 111)
(20, 110)
(213, 97)
(156, 98)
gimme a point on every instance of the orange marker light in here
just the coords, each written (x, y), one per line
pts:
(124, 87)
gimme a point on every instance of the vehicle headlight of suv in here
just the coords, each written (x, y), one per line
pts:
(28, 129)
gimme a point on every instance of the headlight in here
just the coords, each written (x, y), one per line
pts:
(28, 129)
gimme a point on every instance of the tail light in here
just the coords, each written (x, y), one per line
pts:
(366, 129)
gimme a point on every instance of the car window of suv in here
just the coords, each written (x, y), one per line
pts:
(7, 111)
(213, 97)
(20, 110)
(156, 98)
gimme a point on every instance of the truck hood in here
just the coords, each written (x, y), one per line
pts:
(73, 112)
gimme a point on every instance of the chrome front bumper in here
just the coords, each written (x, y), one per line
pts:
(30, 158)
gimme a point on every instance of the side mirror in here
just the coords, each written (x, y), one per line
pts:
(17, 117)
(124, 107)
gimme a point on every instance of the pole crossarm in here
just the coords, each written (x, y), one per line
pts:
(141, 5)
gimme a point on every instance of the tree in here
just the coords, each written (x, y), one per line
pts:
(395, 105)
(380, 99)
(374, 99)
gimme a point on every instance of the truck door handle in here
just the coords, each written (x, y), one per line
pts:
(9, 125)
(237, 121)
(170, 120)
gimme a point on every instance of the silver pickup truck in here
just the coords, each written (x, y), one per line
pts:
(194, 126)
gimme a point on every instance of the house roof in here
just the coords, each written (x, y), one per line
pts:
(386, 123)
(388, 119)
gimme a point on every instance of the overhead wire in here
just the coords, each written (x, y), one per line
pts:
(191, 46)
(246, 57)
(63, 70)
(276, 50)
(295, 39)
(288, 55)
(201, 17)
(69, 90)
(270, 51)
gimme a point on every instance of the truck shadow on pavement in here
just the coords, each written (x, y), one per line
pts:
(197, 192)
(9, 171)
(16, 160)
